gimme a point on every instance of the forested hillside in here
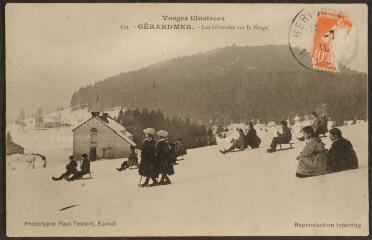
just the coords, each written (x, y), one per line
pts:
(233, 83)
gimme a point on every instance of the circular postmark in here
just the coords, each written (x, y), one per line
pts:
(322, 39)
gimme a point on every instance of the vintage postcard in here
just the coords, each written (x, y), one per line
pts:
(186, 119)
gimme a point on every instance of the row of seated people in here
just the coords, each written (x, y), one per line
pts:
(71, 169)
(315, 160)
(252, 140)
(245, 140)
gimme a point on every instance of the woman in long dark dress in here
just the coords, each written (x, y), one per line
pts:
(147, 167)
(163, 157)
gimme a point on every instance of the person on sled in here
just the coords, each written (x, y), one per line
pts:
(236, 144)
(283, 138)
(132, 160)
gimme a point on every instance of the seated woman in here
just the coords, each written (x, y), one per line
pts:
(341, 156)
(251, 139)
(312, 159)
(237, 144)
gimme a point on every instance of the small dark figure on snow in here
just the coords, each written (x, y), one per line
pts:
(341, 156)
(180, 149)
(172, 153)
(163, 157)
(132, 160)
(251, 138)
(323, 125)
(84, 169)
(70, 169)
(148, 166)
(237, 144)
(315, 123)
(282, 138)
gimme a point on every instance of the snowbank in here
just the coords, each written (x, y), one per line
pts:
(242, 193)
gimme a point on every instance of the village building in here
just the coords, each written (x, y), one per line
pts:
(39, 124)
(101, 137)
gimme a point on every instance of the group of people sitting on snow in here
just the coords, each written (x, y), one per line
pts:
(244, 140)
(315, 160)
(157, 158)
(71, 169)
(253, 141)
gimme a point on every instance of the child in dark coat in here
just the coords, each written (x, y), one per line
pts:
(84, 169)
(148, 166)
(70, 169)
(132, 160)
(180, 149)
(163, 157)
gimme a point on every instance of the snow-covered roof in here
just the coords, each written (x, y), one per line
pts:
(114, 126)
(118, 128)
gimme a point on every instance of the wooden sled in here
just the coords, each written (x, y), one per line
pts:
(85, 176)
(281, 148)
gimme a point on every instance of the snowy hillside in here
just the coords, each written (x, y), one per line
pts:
(242, 193)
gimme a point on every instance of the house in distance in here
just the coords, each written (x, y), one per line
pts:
(101, 137)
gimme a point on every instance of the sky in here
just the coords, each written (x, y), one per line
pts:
(54, 49)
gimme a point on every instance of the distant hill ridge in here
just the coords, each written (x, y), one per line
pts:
(233, 83)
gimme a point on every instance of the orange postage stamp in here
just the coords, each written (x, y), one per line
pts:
(323, 39)
(328, 24)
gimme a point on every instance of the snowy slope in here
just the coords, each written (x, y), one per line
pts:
(242, 193)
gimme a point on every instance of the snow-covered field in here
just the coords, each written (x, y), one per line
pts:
(242, 193)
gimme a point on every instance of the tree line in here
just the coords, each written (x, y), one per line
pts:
(193, 134)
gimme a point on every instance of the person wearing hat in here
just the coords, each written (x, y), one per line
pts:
(84, 168)
(163, 157)
(70, 169)
(282, 138)
(147, 167)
